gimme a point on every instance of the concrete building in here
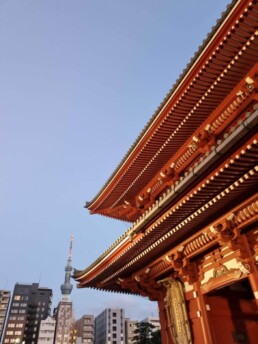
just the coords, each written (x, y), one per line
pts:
(130, 327)
(5, 296)
(64, 314)
(110, 327)
(84, 328)
(47, 331)
(30, 304)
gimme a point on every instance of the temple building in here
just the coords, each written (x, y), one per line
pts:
(64, 313)
(188, 185)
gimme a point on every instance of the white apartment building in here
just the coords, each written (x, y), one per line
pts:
(47, 331)
(154, 321)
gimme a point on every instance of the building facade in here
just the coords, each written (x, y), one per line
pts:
(130, 327)
(47, 331)
(188, 185)
(84, 328)
(5, 296)
(64, 322)
(30, 304)
(110, 327)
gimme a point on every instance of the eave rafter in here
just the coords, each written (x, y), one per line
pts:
(182, 225)
(156, 234)
(180, 260)
(214, 74)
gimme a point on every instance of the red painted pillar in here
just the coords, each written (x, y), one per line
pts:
(253, 275)
(202, 314)
(253, 279)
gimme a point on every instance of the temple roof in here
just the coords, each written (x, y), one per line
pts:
(220, 63)
(234, 180)
(196, 158)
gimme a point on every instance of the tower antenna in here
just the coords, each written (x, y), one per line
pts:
(71, 246)
(66, 287)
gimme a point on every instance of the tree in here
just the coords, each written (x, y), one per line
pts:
(156, 337)
(143, 333)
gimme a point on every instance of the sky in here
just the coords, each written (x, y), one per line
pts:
(78, 82)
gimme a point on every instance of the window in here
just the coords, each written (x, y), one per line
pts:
(17, 297)
(114, 335)
(9, 333)
(114, 321)
(114, 314)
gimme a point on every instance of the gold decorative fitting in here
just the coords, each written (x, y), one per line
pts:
(249, 82)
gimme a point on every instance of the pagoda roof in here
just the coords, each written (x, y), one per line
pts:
(205, 132)
(218, 66)
(235, 179)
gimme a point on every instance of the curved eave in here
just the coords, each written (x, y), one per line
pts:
(190, 88)
(159, 241)
(229, 175)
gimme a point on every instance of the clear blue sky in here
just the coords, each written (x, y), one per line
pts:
(78, 82)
